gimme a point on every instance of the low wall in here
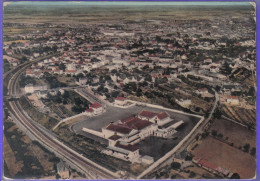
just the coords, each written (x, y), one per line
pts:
(161, 107)
(97, 133)
(67, 119)
(124, 107)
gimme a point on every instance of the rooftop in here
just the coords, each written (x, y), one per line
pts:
(147, 114)
(120, 98)
(120, 128)
(95, 105)
(162, 115)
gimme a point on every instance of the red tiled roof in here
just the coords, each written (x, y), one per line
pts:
(119, 128)
(148, 114)
(127, 119)
(114, 137)
(232, 97)
(71, 71)
(162, 115)
(128, 147)
(138, 124)
(121, 98)
(204, 89)
(89, 110)
(95, 105)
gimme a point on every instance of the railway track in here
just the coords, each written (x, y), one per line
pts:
(93, 170)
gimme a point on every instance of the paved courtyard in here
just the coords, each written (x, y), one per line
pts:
(114, 114)
(152, 146)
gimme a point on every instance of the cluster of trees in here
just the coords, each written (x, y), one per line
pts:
(6, 66)
(80, 105)
(39, 49)
(53, 82)
(26, 80)
(215, 134)
(246, 148)
(59, 98)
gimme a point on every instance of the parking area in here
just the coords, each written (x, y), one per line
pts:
(152, 146)
(114, 114)
(156, 147)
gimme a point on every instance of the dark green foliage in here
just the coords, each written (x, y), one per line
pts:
(235, 176)
(175, 165)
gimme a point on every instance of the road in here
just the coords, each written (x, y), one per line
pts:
(201, 126)
(93, 170)
(192, 137)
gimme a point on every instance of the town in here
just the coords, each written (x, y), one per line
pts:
(134, 98)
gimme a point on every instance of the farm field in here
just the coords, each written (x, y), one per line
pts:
(244, 116)
(234, 133)
(226, 156)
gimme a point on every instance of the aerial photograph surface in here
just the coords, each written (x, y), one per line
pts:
(129, 90)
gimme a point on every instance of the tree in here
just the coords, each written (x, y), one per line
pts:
(217, 113)
(192, 174)
(253, 151)
(77, 101)
(58, 176)
(235, 176)
(66, 95)
(246, 147)
(175, 165)
(251, 91)
(220, 135)
(173, 176)
(226, 69)
(148, 78)
(188, 158)
(214, 132)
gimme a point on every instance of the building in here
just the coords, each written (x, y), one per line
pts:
(123, 151)
(232, 99)
(82, 81)
(202, 92)
(184, 103)
(120, 101)
(162, 118)
(148, 115)
(89, 112)
(30, 88)
(97, 108)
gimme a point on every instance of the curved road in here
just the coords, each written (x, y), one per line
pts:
(49, 141)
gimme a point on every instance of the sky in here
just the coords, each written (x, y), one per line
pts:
(128, 3)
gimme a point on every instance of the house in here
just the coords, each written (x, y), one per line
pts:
(36, 55)
(202, 91)
(121, 101)
(148, 115)
(213, 69)
(162, 118)
(184, 103)
(142, 63)
(89, 112)
(98, 109)
(82, 81)
(232, 99)
(118, 129)
(123, 151)
(144, 127)
(29, 72)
